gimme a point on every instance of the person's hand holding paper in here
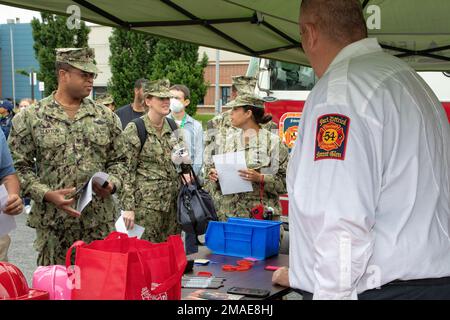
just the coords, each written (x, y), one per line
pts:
(250, 175)
(101, 186)
(14, 205)
(124, 227)
(7, 222)
(228, 166)
(60, 200)
(213, 175)
(128, 218)
(101, 179)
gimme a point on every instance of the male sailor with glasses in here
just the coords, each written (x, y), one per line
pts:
(71, 139)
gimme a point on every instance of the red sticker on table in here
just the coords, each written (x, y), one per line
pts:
(204, 274)
(244, 263)
(228, 268)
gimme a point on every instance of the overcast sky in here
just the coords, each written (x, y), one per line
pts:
(12, 12)
(25, 16)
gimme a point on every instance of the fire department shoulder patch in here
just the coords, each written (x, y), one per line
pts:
(331, 137)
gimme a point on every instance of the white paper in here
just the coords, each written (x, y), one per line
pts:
(228, 166)
(86, 195)
(3, 198)
(7, 222)
(137, 230)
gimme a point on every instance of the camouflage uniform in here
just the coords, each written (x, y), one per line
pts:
(265, 153)
(105, 99)
(152, 187)
(244, 85)
(68, 152)
(219, 128)
(222, 121)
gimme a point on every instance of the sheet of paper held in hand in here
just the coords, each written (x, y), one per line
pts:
(86, 193)
(137, 230)
(228, 166)
(7, 222)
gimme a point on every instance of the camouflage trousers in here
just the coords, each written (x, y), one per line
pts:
(52, 243)
(158, 224)
(216, 195)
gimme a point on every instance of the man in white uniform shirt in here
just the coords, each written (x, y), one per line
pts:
(368, 181)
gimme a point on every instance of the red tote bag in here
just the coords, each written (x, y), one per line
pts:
(123, 268)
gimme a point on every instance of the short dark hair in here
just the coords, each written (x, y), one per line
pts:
(62, 66)
(140, 83)
(182, 88)
(341, 20)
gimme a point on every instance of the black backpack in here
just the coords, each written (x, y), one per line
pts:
(142, 133)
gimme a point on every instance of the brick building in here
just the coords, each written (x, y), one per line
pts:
(231, 64)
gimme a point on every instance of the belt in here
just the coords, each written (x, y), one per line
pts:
(415, 282)
(420, 282)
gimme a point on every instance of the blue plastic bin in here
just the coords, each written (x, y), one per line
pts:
(239, 237)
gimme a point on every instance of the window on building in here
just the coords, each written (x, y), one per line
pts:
(226, 93)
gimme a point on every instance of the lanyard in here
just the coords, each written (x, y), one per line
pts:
(261, 189)
(183, 122)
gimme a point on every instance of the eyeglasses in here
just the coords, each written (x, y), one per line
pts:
(85, 75)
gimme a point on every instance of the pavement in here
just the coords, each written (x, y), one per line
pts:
(21, 252)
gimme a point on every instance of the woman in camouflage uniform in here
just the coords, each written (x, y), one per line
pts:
(266, 157)
(151, 189)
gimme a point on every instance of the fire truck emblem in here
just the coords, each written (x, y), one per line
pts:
(331, 137)
(290, 136)
(288, 128)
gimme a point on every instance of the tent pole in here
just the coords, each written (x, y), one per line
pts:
(217, 96)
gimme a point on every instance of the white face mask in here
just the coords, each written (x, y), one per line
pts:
(176, 105)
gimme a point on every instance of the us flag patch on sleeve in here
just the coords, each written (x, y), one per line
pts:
(331, 137)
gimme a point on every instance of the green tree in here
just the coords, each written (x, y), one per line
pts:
(179, 62)
(53, 32)
(131, 59)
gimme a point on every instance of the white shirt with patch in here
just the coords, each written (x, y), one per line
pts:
(368, 180)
